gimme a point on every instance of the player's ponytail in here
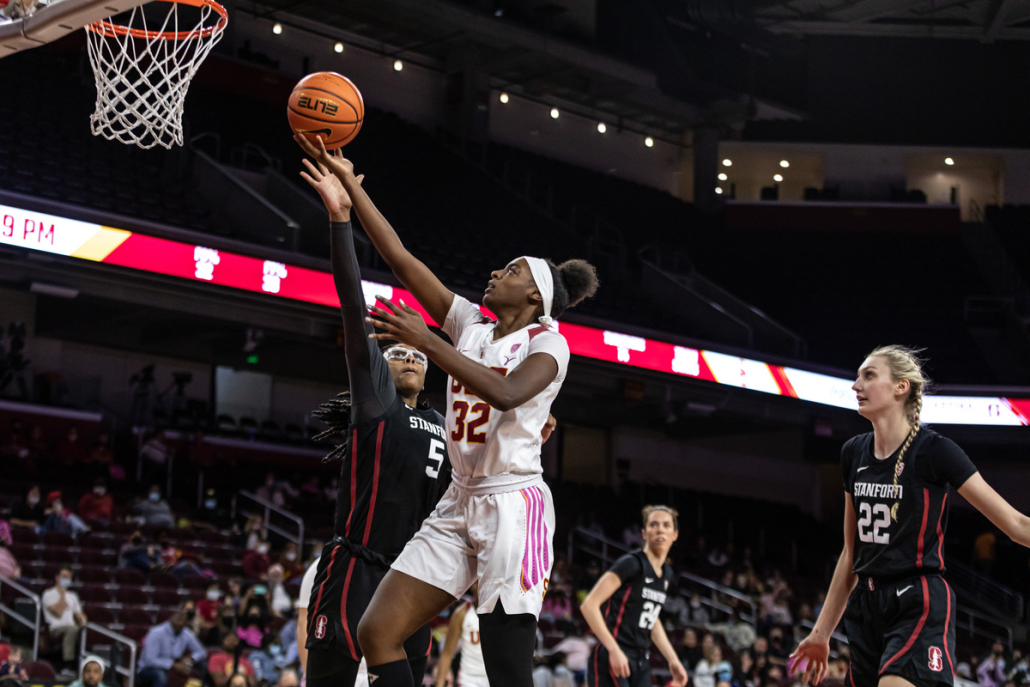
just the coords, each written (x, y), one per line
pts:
(336, 413)
(905, 363)
(574, 282)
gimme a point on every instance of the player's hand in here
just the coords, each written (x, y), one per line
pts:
(618, 662)
(548, 429)
(335, 162)
(810, 659)
(337, 201)
(679, 674)
(400, 323)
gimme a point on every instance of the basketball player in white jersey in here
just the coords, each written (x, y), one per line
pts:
(495, 522)
(463, 634)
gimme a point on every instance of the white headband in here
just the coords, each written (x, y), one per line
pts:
(541, 272)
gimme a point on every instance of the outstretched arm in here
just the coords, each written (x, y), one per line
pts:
(996, 509)
(371, 387)
(450, 645)
(412, 272)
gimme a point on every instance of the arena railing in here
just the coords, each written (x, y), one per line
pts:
(15, 615)
(985, 591)
(979, 624)
(130, 672)
(607, 550)
(270, 508)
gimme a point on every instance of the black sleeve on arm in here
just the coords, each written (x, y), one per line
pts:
(948, 463)
(626, 568)
(371, 385)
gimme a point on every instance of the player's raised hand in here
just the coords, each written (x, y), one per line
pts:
(335, 162)
(337, 201)
(810, 659)
(400, 323)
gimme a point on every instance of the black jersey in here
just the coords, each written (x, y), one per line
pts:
(914, 545)
(633, 609)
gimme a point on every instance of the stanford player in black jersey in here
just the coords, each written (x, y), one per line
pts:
(632, 594)
(889, 583)
(394, 469)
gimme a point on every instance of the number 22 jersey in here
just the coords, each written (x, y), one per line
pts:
(491, 450)
(914, 545)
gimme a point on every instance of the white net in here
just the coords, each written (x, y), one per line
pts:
(142, 74)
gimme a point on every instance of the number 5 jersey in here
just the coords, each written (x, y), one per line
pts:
(914, 544)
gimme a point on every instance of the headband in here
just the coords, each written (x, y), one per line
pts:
(541, 272)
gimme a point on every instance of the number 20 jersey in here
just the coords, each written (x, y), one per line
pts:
(490, 450)
(913, 545)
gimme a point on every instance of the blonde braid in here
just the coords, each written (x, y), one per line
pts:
(917, 401)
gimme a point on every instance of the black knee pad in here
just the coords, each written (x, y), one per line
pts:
(508, 642)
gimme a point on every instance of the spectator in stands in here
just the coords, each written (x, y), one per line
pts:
(155, 453)
(136, 554)
(738, 635)
(62, 611)
(100, 453)
(30, 512)
(276, 491)
(255, 531)
(778, 650)
(235, 594)
(13, 667)
(61, 519)
(207, 612)
(16, 447)
(252, 625)
(229, 661)
(98, 504)
(256, 562)
(290, 560)
(288, 679)
(226, 625)
(8, 563)
(557, 606)
(717, 558)
(91, 674)
(279, 599)
(170, 646)
(991, 672)
(211, 515)
(155, 510)
(267, 659)
(690, 652)
(1019, 670)
(697, 614)
(983, 552)
(576, 650)
(69, 450)
(315, 554)
(712, 670)
(743, 669)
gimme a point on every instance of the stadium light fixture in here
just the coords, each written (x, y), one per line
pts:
(398, 65)
(777, 177)
(718, 189)
(722, 176)
(338, 47)
(277, 28)
(503, 98)
(649, 142)
(948, 161)
(601, 128)
(727, 162)
(784, 164)
(554, 113)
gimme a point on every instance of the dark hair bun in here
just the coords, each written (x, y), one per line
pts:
(580, 279)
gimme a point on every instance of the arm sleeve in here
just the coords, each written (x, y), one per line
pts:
(553, 344)
(371, 386)
(197, 649)
(626, 568)
(461, 315)
(153, 647)
(948, 463)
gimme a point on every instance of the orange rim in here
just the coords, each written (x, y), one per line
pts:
(109, 29)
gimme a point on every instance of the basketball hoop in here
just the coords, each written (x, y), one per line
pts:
(142, 75)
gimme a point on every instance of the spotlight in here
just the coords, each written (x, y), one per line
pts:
(718, 189)
(601, 128)
(727, 162)
(338, 47)
(398, 65)
(277, 29)
(777, 177)
(784, 164)
(503, 97)
(649, 142)
(722, 176)
(948, 161)
(554, 113)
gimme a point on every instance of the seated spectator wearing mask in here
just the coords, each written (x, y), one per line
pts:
(207, 612)
(62, 611)
(253, 622)
(228, 661)
(98, 504)
(30, 512)
(280, 601)
(91, 673)
(210, 516)
(290, 560)
(170, 646)
(136, 554)
(256, 562)
(268, 660)
(155, 510)
(8, 564)
(13, 668)
(60, 519)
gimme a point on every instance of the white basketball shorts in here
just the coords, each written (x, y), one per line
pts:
(503, 540)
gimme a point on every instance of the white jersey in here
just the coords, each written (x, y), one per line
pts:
(472, 665)
(493, 451)
(307, 584)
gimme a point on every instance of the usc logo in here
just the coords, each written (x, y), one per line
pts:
(547, 581)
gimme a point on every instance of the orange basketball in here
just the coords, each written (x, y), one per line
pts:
(326, 105)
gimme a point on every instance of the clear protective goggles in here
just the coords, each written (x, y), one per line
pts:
(402, 353)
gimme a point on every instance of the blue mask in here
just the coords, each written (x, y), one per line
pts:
(275, 650)
(154, 496)
(64, 582)
(210, 504)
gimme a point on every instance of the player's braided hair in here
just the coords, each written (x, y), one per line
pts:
(336, 413)
(905, 363)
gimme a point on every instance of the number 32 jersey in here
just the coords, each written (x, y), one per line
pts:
(632, 611)
(914, 545)
(492, 450)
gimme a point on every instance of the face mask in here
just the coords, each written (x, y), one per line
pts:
(275, 650)
(291, 556)
(210, 504)
(190, 616)
(99, 491)
(155, 496)
(260, 589)
(65, 582)
(32, 500)
(213, 595)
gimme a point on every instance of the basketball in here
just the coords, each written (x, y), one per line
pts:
(326, 105)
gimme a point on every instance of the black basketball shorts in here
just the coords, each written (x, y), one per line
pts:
(904, 628)
(599, 672)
